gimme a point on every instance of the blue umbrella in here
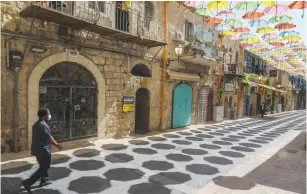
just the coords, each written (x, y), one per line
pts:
(222, 27)
(289, 33)
(247, 35)
(258, 23)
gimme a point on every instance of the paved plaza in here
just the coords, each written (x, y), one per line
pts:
(249, 155)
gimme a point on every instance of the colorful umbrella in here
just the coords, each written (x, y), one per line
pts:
(268, 3)
(226, 13)
(292, 38)
(203, 11)
(217, 5)
(258, 23)
(285, 26)
(246, 5)
(214, 20)
(242, 29)
(277, 43)
(233, 22)
(265, 30)
(252, 40)
(277, 9)
(228, 33)
(280, 19)
(295, 43)
(245, 44)
(222, 27)
(193, 3)
(289, 33)
(233, 38)
(247, 35)
(269, 36)
(298, 5)
(253, 15)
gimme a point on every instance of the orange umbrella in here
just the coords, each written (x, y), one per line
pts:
(243, 45)
(277, 43)
(214, 20)
(284, 26)
(298, 5)
(242, 29)
(253, 15)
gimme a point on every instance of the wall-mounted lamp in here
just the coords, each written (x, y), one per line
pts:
(278, 86)
(297, 92)
(178, 52)
(37, 49)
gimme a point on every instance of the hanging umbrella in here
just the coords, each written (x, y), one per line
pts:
(222, 27)
(245, 44)
(265, 30)
(246, 5)
(233, 22)
(233, 38)
(268, 3)
(258, 23)
(277, 9)
(296, 43)
(292, 38)
(298, 5)
(252, 40)
(285, 26)
(226, 13)
(242, 29)
(214, 20)
(203, 11)
(193, 3)
(217, 5)
(289, 33)
(253, 15)
(277, 43)
(269, 36)
(280, 19)
(247, 35)
(228, 33)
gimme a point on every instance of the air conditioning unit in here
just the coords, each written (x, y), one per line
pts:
(179, 36)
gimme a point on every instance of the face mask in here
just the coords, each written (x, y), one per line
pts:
(49, 117)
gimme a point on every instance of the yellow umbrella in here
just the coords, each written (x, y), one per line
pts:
(228, 33)
(268, 3)
(292, 38)
(217, 4)
(252, 39)
(265, 30)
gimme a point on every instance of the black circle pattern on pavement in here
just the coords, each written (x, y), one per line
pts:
(194, 151)
(245, 134)
(202, 169)
(243, 149)
(163, 146)
(145, 151)
(119, 158)
(85, 165)
(123, 174)
(86, 153)
(56, 173)
(155, 138)
(89, 184)
(194, 138)
(236, 136)
(223, 131)
(221, 142)
(182, 142)
(264, 138)
(46, 191)
(195, 131)
(158, 165)
(59, 159)
(138, 142)
(251, 145)
(8, 185)
(179, 157)
(170, 178)
(232, 154)
(258, 141)
(216, 133)
(210, 146)
(230, 139)
(204, 136)
(218, 160)
(152, 188)
(15, 167)
(113, 146)
(204, 129)
(171, 136)
(184, 133)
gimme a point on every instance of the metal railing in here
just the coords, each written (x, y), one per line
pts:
(113, 15)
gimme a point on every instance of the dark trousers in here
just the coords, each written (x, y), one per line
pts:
(44, 160)
(262, 112)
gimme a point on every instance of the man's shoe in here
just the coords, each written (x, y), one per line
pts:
(26, 186)
(44, 183)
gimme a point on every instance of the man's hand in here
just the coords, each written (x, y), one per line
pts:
(60, 147)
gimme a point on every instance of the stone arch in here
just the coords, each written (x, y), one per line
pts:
(141, 70)
(44, 65)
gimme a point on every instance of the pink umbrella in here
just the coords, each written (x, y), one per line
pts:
(296, 43)
(269, 36)
(242, 29)
(277, 9)
(193, 3)
(233, 38)
(227, 13)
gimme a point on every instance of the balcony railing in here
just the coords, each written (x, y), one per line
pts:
(233, 69)
(105, 18)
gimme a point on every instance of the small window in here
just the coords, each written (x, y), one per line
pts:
(237, 57)
(100, 5)
(189, 31)
(148, 13)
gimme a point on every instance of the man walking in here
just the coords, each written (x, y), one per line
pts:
(262, 109)
(42, 142)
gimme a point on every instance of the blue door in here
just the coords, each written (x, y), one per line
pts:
(182, 105)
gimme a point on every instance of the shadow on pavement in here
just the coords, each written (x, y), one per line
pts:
(285, 170)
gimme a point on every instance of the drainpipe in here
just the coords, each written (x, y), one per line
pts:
(219, 73)
(163, 67)
(15, 98)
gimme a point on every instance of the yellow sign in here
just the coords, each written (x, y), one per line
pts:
(128, 107)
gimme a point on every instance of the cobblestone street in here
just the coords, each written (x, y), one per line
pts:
(249, 155)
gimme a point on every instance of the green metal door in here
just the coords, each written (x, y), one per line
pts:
(182, 106)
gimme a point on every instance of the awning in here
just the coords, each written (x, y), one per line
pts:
(173, 75)
(272, 88)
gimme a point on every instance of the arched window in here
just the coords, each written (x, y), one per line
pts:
(230, 56)
(141, 70)
(148, 13)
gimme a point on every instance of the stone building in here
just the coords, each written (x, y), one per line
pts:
(98, 67)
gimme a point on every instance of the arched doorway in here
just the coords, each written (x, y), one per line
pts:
(205, 105)
(226, 107)
(142, 109)
(69, 91)
(182, 106)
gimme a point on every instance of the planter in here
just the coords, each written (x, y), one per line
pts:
(273, 112)
(278, 108)
(218, 113)
(267, 113)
